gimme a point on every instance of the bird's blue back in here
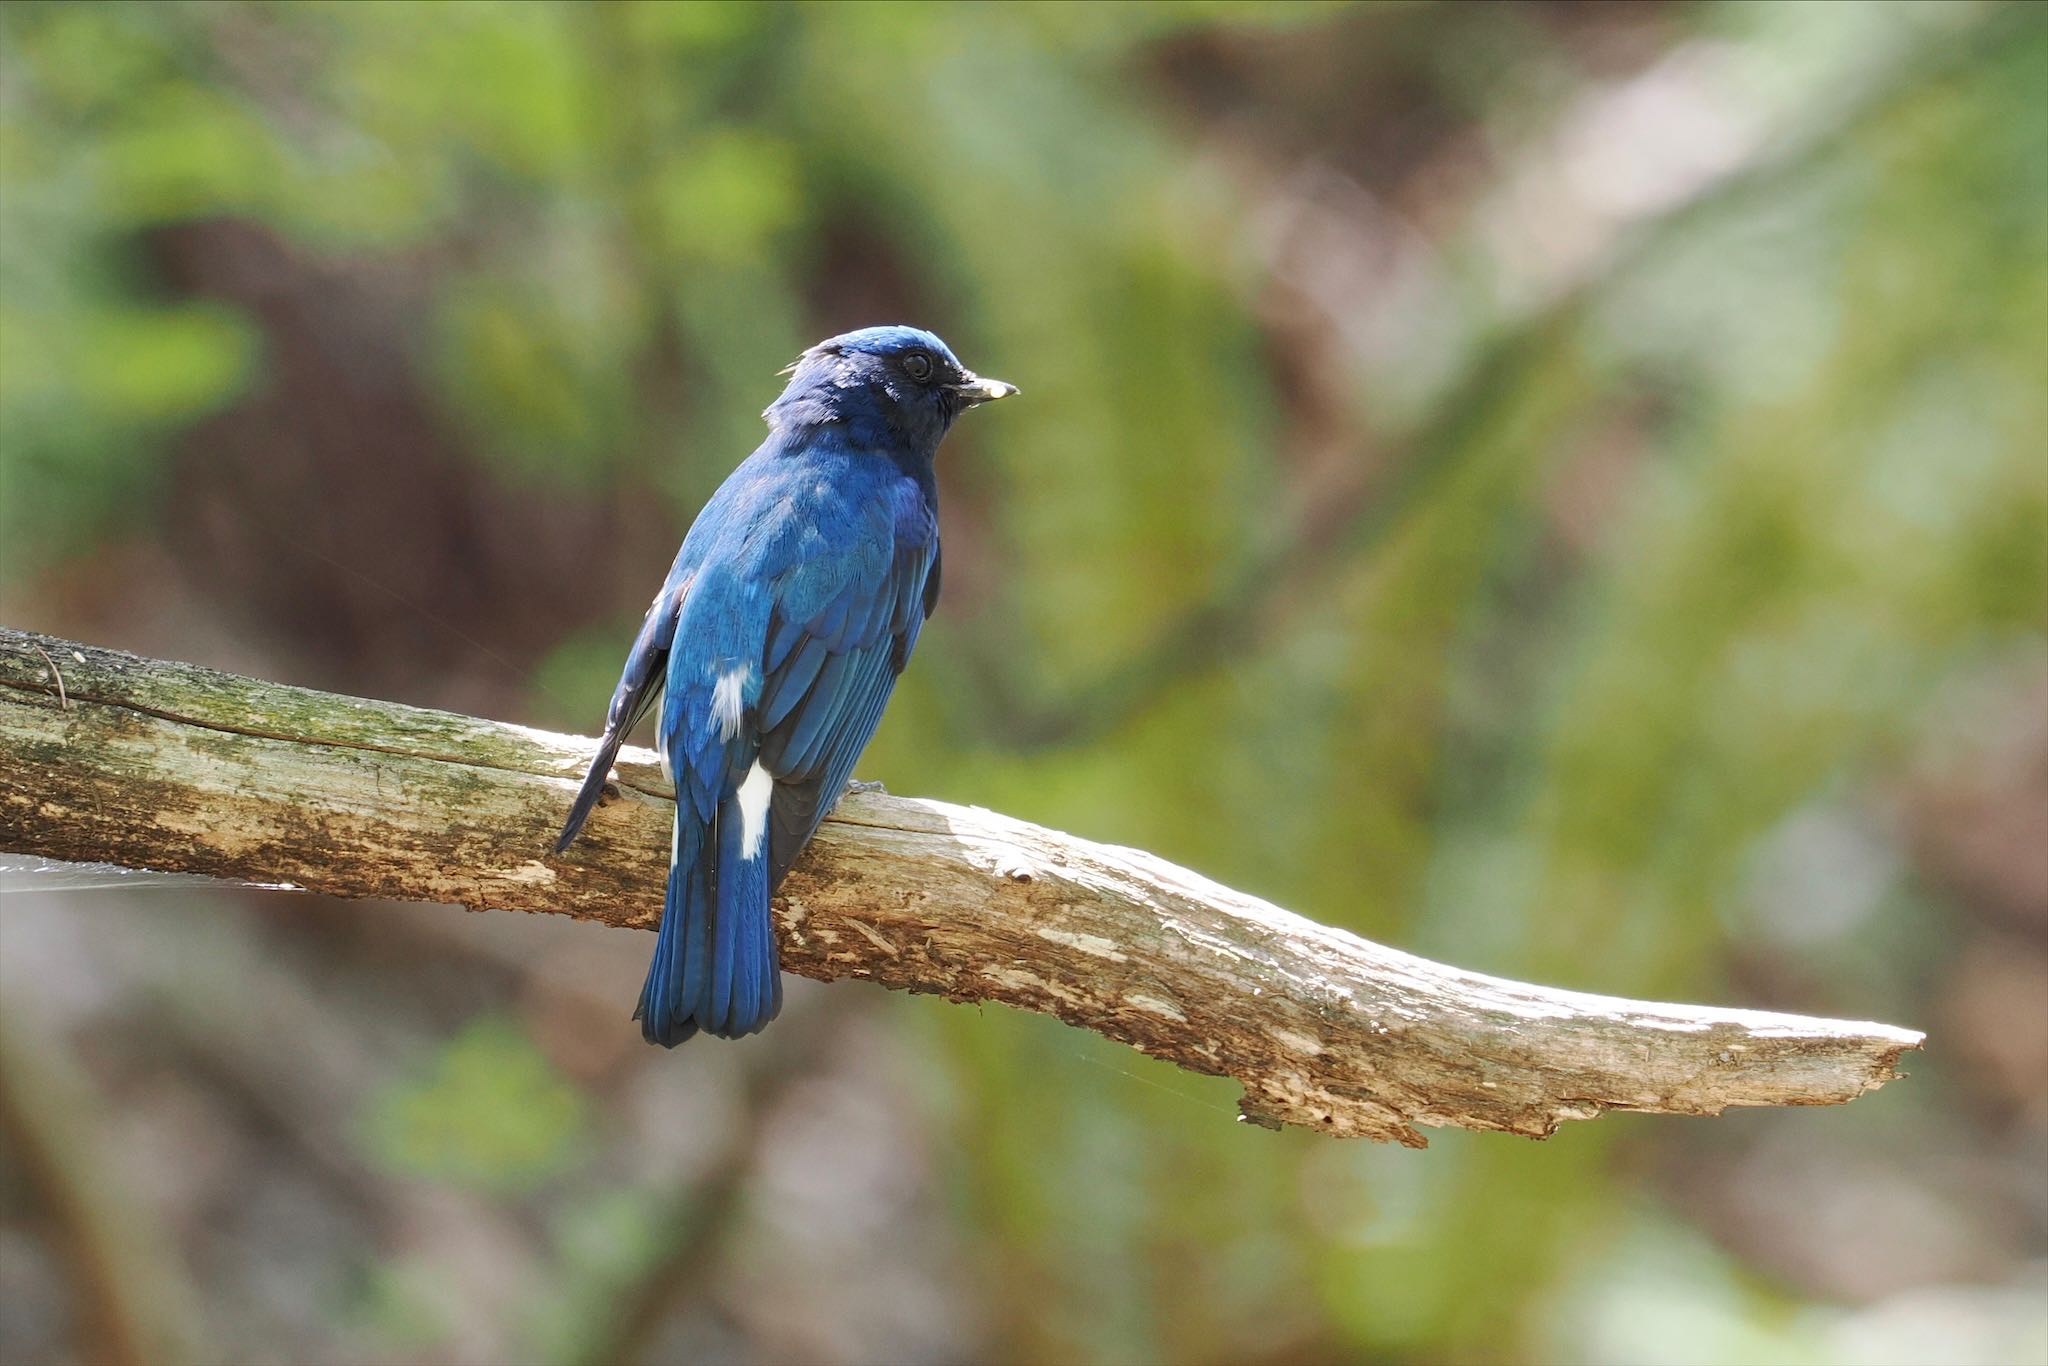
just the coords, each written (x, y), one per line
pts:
(794, 603)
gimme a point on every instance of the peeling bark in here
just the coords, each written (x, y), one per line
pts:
(150, 764)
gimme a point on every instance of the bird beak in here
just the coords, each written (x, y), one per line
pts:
(974, 389)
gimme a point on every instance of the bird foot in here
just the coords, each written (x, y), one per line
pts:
(855, 785)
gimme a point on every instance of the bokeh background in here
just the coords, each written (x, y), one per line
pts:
(1562, 488)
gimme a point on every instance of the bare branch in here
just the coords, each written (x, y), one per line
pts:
(167, 766)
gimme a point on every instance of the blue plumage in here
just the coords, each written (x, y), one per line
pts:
(792, 606)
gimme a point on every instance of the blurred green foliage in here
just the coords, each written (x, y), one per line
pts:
(1665, 565)
(489, 1112)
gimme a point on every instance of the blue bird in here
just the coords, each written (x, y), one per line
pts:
(793, 605)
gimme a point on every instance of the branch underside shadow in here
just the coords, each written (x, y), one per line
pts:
(149, 764)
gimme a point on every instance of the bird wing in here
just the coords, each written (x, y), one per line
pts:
(830, 630)
(831, 661)
(646, 664)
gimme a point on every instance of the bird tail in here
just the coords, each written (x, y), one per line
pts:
(714, 965)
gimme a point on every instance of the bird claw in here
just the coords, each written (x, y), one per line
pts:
(855, 786)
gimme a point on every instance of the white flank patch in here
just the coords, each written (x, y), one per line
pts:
(754, 794)
(728, 701)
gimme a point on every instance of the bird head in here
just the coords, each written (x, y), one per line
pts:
(901, 382)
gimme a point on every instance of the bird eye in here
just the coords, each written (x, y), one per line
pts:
(918, 366)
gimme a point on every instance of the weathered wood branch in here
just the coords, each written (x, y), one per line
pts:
(106, 757)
